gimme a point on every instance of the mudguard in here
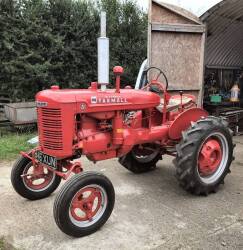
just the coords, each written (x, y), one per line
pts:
(183, 122)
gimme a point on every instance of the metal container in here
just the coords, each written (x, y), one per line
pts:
(21, 113)
(216, 98)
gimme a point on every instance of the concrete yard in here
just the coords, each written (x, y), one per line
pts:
(151, 212)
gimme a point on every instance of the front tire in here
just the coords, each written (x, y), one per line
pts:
(84, 204)
(30, 186)
(204, 156)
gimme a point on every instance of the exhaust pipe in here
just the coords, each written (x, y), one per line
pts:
(103, 54)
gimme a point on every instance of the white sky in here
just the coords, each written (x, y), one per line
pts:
(195, 6)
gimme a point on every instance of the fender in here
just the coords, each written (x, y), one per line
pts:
(183, 121)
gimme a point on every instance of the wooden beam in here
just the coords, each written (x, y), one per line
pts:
(202, 70)
(181, 28)
(182, 89)
(149, 49)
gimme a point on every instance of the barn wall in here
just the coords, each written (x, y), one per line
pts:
(179, 56)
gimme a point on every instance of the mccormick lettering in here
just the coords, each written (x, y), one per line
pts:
(108, 100)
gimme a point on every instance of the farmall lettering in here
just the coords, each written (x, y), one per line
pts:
(108, 100)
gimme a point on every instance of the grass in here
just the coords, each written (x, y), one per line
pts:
(12, 143)
(4, 245)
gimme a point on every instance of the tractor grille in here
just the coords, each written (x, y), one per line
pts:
(50, 128)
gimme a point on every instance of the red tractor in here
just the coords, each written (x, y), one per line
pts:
(136, 126)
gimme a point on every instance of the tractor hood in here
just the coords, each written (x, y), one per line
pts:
(96, 100)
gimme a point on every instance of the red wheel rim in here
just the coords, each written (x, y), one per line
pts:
(210, 157)
(86, 204)
(37, 178)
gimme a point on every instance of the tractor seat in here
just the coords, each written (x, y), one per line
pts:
(175, 102)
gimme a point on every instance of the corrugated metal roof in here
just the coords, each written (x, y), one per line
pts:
(225, 34)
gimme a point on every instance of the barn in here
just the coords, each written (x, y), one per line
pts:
(201, 55)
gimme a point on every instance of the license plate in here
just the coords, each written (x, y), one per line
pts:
(46, 159)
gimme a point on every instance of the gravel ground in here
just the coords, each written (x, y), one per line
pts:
(151, 212)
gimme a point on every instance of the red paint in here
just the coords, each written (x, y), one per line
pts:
(183, 121)
(210, 157)
(36, 178)
(118, 71)
(106, 124)
(118, 129)
(66, 164)
(85, 200)
(55, 87)
(93, 86)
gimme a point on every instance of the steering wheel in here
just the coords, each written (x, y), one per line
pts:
(158, 76)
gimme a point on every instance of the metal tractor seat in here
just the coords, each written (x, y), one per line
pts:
(175, 102)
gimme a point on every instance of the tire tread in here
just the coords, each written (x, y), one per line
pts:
(187, 149)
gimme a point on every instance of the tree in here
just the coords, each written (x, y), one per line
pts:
(127, 30)
(46, 42)
(27, 45)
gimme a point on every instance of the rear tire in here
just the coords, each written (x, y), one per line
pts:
(138, 164)
(27, 188)
(84, 204)
(204, 156)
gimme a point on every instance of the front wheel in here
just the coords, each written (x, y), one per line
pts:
(204, 156)
(84, 204)
(33, 182)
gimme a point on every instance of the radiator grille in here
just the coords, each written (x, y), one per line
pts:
(50, 128)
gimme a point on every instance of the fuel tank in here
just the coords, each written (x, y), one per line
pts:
(88, 101)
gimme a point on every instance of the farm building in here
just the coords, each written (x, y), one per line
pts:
(201, 55)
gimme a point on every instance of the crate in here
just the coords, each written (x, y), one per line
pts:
(21, 113)
(216, 98)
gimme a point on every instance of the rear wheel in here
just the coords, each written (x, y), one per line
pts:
(33, 182)
(141, 159)
(204, 156)
(84, 204)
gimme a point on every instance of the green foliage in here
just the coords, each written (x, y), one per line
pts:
(128, 36)
(12, 143)
(1, 244)
(46, 42)
(4, 245)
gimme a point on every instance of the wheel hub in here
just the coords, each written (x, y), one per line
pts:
(36, 178)
(86, 203)
(210, 157)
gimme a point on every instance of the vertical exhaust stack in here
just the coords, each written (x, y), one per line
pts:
(103, 54)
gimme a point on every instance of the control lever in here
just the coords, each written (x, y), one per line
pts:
(181, 105)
